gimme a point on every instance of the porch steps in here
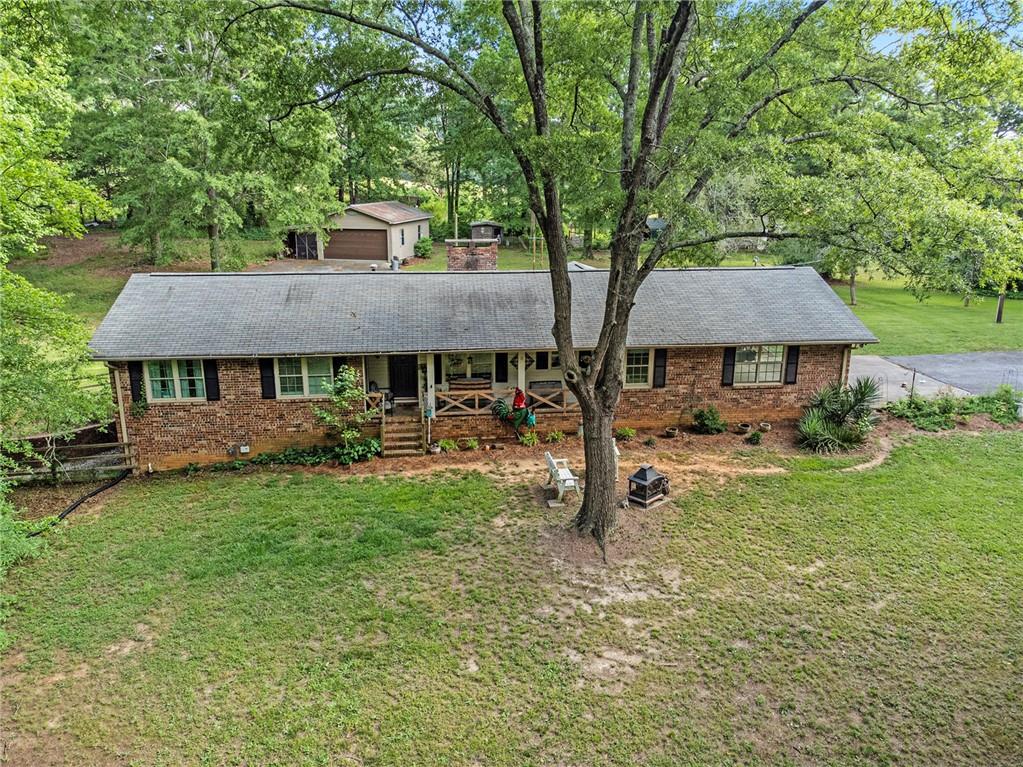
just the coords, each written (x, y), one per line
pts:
(403, 435)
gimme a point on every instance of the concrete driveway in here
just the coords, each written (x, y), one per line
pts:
(958, 374)
(326, 265)
(897, 381)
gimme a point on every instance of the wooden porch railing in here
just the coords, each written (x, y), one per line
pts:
(479, 402)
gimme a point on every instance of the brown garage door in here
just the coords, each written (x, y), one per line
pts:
(370, 244)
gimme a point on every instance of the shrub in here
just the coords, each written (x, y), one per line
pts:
(471, 443)
(650, 442)
(345, 413)
(529, 439)
(755, 438)
(353, 452)
(708, 421)
(945, 411)
(625, 433)
(448, 445)
(423, 247)
(839, 417)
(554, 437)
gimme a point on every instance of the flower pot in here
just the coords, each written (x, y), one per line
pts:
(744, 428)
(434, 449)
(671, 432)
(765, 426)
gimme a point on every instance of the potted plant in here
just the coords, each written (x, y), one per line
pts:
(434, 448)
(744, 428)
(671, 432)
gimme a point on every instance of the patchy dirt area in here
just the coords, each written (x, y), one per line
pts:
(112, 259)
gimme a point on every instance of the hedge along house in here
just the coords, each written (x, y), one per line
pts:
(206, 367)
(369, 231)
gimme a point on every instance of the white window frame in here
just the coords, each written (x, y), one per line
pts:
(305, 378)
(757, 381)
(648, 384)
(553, 359)
(176, 380)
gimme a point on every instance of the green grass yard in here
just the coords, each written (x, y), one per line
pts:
(92, 271)
(811, 618)
(940, 324)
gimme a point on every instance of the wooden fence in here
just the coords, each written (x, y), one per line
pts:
(76, 463)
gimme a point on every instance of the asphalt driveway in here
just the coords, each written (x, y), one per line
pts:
(976, 372)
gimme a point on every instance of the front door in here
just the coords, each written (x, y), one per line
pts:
(402, 370)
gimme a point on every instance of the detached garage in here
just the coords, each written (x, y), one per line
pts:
(376, 231)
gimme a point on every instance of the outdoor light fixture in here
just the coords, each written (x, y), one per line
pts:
(647, 487)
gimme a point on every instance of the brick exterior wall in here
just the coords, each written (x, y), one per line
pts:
(171, 435)
(473, 256)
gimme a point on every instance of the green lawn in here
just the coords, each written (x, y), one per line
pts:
(940, 324)
(809, 618)
(92, 284)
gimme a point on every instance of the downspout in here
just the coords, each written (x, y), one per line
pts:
(846, 356)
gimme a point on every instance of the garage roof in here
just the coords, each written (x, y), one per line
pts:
(390, 211)
(278, 314)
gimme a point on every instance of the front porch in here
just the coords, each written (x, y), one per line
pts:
(434, 385)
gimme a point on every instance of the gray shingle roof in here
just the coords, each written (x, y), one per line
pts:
(269, 314)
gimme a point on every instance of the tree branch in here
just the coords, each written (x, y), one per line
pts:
(787, 35)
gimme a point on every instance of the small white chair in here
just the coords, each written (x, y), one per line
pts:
(560, 475)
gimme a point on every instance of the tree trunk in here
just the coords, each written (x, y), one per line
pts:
(588, 241)
(213, 230)
(852, 287)
(155, 248)
(598, 513)
(1001, 308)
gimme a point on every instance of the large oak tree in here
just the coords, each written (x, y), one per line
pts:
(825, 105)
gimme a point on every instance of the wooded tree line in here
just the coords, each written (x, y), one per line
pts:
(857, 135)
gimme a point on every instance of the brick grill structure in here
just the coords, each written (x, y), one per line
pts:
(472, 255)
(173, 434)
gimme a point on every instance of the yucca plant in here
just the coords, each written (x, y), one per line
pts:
(839, 417)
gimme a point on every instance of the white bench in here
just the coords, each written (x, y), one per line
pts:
(560, 475)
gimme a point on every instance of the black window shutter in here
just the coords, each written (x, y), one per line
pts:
(728, 368)
(791, 365)
(660, 367)
(266, 378)
(542, 360)
(212, 380)
(135, 381)
(501, 367)
(335, 365)
(438, 369)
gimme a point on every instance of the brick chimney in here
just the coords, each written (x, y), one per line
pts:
(472, 255)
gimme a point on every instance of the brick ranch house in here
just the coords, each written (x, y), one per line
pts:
(209, 367)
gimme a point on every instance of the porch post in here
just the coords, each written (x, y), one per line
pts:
(431, 392)
(521, 368)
